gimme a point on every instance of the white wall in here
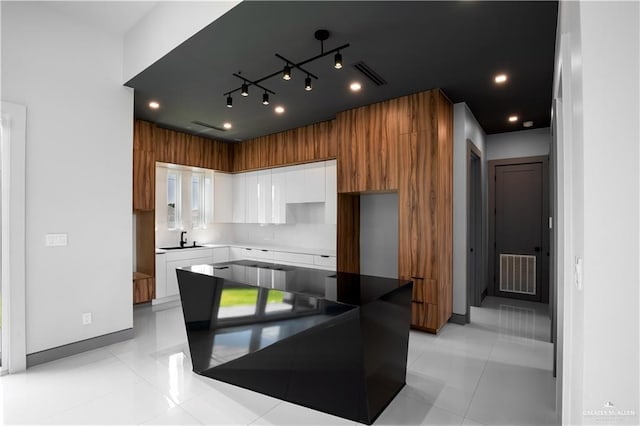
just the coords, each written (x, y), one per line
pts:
(168, 25)
(465, 127)
(379, 235)
(523, 143)
(596, 77)
(79, 163)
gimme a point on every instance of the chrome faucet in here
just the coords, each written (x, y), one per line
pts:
(183, 238)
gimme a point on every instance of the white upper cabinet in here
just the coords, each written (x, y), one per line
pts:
(238, 196)
(314, 182)
(295, 189)
(264, 196)
(278, 195)
(251, 197)
(331, 193)
(222, 197)
(306, 183)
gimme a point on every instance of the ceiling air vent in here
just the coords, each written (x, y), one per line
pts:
(370, 74)
(211, 126)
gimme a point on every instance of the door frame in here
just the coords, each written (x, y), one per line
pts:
(13, 240)
(474, 295)
(491, 270)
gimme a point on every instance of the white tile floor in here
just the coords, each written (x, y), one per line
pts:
(496, 370)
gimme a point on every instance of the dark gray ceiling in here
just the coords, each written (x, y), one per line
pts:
(414, 46)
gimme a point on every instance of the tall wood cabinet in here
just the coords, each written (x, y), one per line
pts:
(404, 145)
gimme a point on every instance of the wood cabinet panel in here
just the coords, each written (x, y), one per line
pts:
(348, 233)
(425, 291)
(367, 140)
(303, 145)
(424, 316)
(144, 290)
(144, 174)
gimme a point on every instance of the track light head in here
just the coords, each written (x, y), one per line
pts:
(307, 84)
(229, 101)
(244, 91)
(265, 99)
(337, 61)
(286, 74)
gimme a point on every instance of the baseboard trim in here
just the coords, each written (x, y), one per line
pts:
(458, 319)
(64, 351)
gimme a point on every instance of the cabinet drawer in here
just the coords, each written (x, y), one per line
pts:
(281, 256)
(260, 254)
(194, 253)
(329, 261)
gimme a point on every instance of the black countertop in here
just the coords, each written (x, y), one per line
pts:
(336, 342)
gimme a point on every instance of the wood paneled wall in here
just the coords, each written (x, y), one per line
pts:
(189, 150)
(348, 233)
(315, 142)
(144, 167)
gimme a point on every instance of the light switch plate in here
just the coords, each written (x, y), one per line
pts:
(55, 240)
(87, 318)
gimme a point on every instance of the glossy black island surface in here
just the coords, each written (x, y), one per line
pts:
(334, 342)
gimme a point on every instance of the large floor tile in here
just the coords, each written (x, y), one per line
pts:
(405, 410)
(291, 414)
(134, 405)
(229, 405)
(524, 353)
(511, 394)
(174, 416)
(449, 367)
(437, 392)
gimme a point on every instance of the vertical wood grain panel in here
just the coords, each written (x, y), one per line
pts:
(445, 208)
(144, 188)
(348, 249)
(144, 290)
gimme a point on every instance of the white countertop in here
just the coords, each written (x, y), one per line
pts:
(263, 246)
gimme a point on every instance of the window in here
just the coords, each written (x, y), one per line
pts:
(173, 200)
(201, 200)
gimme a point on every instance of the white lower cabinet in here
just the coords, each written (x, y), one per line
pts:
(161, 275)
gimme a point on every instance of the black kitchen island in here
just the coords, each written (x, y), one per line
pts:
(334, 342)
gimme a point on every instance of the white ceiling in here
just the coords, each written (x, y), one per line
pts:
(115, 17)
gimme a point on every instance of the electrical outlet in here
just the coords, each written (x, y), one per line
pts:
(55, 240)
(86, 318)
(578, 271)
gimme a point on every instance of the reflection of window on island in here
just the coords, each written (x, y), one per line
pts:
(238, 302)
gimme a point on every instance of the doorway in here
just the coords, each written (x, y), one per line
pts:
(476, 286)
(519, 261)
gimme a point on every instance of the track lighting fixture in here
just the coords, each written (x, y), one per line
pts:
(285, 73)
(337, 61)
(229, 101)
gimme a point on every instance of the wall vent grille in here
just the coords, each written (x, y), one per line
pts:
(518, 273)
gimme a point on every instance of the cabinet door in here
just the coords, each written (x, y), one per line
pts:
(238, 197)
(172, 277)
(220, 254)
(264, 196)
(295, 184)
(251, 189)
(314, 183)
(278, 195)
(331, 193)
(161, 273)
(222, 197)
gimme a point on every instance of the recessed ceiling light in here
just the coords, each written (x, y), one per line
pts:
(355, 86)
(154, 105)
(279, 109)
(227, 125)
(527, 124)
(500, 78)
(513, 118)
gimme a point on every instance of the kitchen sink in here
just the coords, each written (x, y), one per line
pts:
(179, 248)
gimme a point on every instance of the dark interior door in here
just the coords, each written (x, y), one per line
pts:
(519, 217)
